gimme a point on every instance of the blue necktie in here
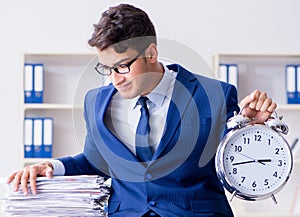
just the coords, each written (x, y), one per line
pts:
(143, 150)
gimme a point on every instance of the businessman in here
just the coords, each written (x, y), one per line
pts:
(154, 129)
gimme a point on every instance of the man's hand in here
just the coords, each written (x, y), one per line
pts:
(30, 173)
(258, 106)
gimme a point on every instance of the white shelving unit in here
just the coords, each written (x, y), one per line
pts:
(67, 78)
(266, 72)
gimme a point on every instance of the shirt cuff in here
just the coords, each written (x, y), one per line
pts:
(58, 168)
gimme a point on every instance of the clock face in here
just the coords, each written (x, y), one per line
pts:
(255, 161)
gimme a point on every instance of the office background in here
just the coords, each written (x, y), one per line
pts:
(64, 26)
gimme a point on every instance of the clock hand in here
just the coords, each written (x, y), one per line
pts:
(245, 156)
(255, 160)
(264, 160)
(244, 162)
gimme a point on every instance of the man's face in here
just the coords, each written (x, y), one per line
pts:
(137, 81)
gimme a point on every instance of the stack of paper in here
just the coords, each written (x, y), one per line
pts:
(60, 196)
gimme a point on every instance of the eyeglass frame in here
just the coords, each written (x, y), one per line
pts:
(115, 68)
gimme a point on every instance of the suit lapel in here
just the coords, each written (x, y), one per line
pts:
(111, 141)
(184, 88)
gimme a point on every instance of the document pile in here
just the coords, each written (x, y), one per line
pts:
(60, 196)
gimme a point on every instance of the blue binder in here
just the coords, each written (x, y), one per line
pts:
(42, 137)
(229, 73)
(47, 137)
(38, 84)
(298, 83)
(28, 83)
(33, 83)
(292, 89)
(37, 137)
(28, 138)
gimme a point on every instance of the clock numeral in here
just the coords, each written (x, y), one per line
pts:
(246, 140)
(257, 138)
(275, 174)
(279, 163)
(238, 148)
(243, 178)
(234, 170)
(231, 158)
(266, 182)
(277, 150)
(254, 185)
(269, 141)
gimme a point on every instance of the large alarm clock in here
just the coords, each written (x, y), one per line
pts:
(254, 161)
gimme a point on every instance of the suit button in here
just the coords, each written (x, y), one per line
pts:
(152, 203)
(148, 176)
(152, 214)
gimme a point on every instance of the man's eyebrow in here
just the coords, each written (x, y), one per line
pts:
(115, 64)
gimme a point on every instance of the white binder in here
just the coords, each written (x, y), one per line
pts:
(28, 83)
(37, 137)
(38, 83)
(28, 138)
(291, 84)
(47, 137)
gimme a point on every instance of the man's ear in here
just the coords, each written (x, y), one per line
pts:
(152, 53)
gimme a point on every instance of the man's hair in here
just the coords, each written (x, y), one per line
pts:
(123, 26)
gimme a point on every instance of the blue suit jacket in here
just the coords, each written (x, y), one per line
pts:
(181, 180)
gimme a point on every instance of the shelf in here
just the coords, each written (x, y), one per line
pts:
(247, 54)
(50, 106)
(29, 161)
(288, 107)
(66, 80)
(265, 72)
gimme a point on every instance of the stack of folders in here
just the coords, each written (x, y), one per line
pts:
(64, 196)
(33, 82)
(38, 137)
(229, 73)
(293, 84)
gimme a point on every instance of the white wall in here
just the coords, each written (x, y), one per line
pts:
(65, 25)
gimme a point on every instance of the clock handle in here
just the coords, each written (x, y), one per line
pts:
(238, 120)
(277, 124)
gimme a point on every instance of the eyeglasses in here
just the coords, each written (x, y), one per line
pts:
(121, 69)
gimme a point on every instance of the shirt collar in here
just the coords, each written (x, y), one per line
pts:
(159, 93)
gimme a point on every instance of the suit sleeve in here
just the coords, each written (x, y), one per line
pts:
(79, 164)
(231, 103)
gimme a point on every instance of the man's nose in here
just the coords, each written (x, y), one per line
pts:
(116, 78)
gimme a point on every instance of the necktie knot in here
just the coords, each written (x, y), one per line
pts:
(143, 101)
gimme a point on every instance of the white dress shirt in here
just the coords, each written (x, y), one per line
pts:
(122, 115)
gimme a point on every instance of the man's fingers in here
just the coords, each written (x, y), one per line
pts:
(32, 181)
(251, 99)
(272, 107)
(263, 102)
(254, 98)
(29, 174)
(11, 178)
(17, 180)
(259, 101)
(24, 181)
(49, 172)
